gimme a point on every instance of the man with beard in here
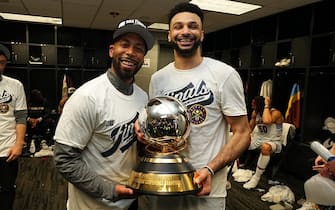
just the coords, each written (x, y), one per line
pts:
(213, 94)
(13, 115)
(95, 147)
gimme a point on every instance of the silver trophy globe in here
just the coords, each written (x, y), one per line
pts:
(162, 170)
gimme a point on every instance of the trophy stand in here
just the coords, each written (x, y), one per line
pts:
(162, 170)
(160, 174)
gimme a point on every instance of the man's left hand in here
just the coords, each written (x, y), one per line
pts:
(204, 179)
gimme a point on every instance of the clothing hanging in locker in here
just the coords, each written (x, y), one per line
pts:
(266, 89)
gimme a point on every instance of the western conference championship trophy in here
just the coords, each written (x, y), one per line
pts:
(162, 171)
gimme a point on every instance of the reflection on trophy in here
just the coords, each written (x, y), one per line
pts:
(162, 171)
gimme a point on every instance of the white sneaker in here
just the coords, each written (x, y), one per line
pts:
(252, 183)
(44, 153)
(308, 206)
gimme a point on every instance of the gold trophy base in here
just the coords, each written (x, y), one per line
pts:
(163, 175)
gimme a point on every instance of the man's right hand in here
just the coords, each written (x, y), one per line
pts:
(33, 122)
(123, 192)
(139, 133)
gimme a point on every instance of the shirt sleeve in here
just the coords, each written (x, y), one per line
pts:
(232, 89)
(77, 121)
(69, 163)
(21, 102)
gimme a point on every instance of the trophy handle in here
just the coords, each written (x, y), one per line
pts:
(165, 146)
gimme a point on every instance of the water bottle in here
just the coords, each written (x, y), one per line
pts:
(322, 151)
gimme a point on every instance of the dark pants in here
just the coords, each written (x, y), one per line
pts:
(8, 174)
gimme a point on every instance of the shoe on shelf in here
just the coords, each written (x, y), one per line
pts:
(252, 183)
(309, 206)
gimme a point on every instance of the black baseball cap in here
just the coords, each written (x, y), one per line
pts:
(5, 51)
(135, 26)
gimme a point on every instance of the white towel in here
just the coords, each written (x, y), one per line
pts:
(288, 129)
(279, 193)
(242, 175)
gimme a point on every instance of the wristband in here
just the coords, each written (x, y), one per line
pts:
(211, 171)
(266, 107)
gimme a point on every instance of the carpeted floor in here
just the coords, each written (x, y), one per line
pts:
(40, 187)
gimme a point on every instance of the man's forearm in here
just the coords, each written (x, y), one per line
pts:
(69, 163)
(20, 134)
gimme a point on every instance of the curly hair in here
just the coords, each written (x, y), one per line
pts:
(186, 7)
(259, 101)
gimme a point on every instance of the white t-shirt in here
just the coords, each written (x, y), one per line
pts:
(210, 91)
(101, 123)
(12, 98)
(267, 132)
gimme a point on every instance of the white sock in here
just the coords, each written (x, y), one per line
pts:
(262, 163)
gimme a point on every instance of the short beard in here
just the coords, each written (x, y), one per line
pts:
(124, 75)
(186, 53)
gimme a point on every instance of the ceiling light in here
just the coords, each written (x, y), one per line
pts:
(31, 18)
(225, 6)
(159, 26)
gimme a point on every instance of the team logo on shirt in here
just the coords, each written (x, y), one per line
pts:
(4, 108)
(195, 97)
(5, 99)
(123, 137)
(197, 113)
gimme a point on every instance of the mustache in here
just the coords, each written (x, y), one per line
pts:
(186, 36)
(186, 52)
(129, 59)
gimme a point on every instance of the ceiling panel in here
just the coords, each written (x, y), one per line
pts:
(48, 8)
(13, 6)
(95, 14)
(81, 17)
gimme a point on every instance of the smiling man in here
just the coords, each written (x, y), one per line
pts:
(213, 94)
(95, 146)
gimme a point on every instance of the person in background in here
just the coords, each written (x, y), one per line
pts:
(267, 135)
(320, 188)
(39, 120)
(95, 142)
(63, 100)
(13, 115)
(213, 93)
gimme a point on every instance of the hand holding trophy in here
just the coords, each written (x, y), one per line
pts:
(162, 170)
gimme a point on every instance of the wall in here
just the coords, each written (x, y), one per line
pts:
(305, 36)
(144, 75)
(42, 54)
